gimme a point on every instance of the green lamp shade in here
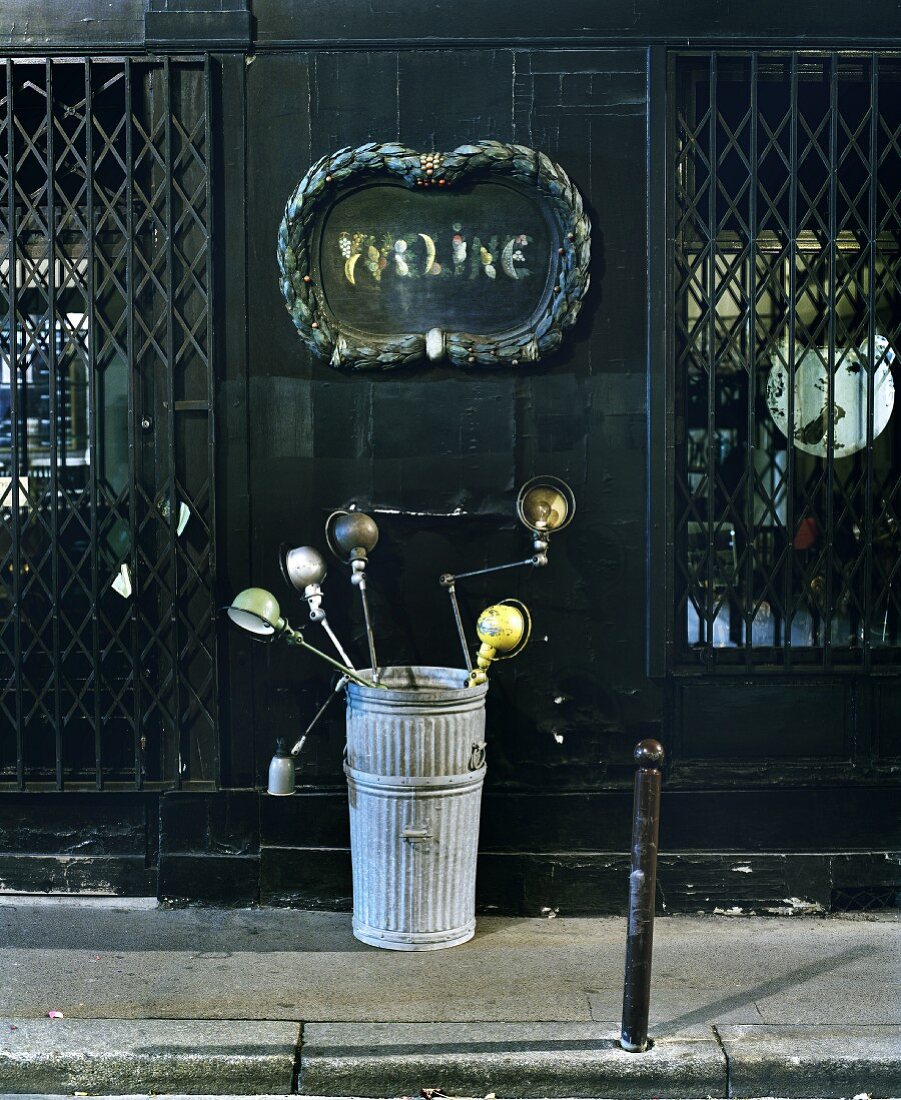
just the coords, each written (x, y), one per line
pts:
(255, 610)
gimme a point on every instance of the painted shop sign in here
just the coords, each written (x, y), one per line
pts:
(389, 256)
(477, 261)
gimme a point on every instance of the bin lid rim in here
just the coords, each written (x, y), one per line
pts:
(436, 683)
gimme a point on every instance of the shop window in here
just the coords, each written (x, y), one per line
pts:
(786, 261)
(107, 617)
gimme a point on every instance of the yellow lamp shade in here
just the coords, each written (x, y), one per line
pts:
(505, 627)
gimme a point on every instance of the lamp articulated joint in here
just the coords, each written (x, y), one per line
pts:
(313, 595)
(540, 546)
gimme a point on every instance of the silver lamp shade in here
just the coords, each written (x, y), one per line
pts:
(302, 566)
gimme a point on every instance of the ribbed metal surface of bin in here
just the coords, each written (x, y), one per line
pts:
(415, 768)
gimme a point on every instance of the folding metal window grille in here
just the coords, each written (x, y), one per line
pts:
(107, 617)
(785, 232)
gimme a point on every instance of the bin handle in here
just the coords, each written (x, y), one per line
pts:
(477, 756)
(416, 832)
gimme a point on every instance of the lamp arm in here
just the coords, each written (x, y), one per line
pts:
(447, 580)
(455, 605)
(294, 637)
(319, 713)
(326, 626)
(370, 636)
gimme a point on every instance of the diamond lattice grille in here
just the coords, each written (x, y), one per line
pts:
(787, 323)
(107, 616)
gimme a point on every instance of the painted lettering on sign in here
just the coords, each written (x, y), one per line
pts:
(370, 257)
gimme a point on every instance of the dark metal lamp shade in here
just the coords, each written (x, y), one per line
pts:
(347, 532)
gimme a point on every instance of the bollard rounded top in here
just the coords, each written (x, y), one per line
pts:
(649, 753)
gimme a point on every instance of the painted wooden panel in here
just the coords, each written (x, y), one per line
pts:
(754, 720)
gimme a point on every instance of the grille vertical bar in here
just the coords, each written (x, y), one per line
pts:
(710, 608)
(54, 487)
(751, 345)
(210, 558)
(830, 375)
(792, 350)
(93, 420)
(137, 669)
(872, 167)
(15, 417)
(175, 711)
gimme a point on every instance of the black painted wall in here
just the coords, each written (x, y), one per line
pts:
(454, 444)
(776, 789)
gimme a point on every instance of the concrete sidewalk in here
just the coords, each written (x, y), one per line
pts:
(269, 1001)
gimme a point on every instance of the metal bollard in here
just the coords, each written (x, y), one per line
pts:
(642, 888)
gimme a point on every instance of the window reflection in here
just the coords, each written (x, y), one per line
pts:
(37, 399)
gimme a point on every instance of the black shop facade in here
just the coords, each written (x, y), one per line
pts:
(649, 257)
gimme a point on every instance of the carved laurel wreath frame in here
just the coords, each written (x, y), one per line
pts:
(337, 173)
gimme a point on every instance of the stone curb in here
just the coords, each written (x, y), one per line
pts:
(144, 1056)
(795, 1061)
(512, 1060)
(566, 1060)
(563, 1061)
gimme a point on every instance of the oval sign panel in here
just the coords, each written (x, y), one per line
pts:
(389, 256)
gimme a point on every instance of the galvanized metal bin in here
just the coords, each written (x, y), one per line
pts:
(415, 768)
